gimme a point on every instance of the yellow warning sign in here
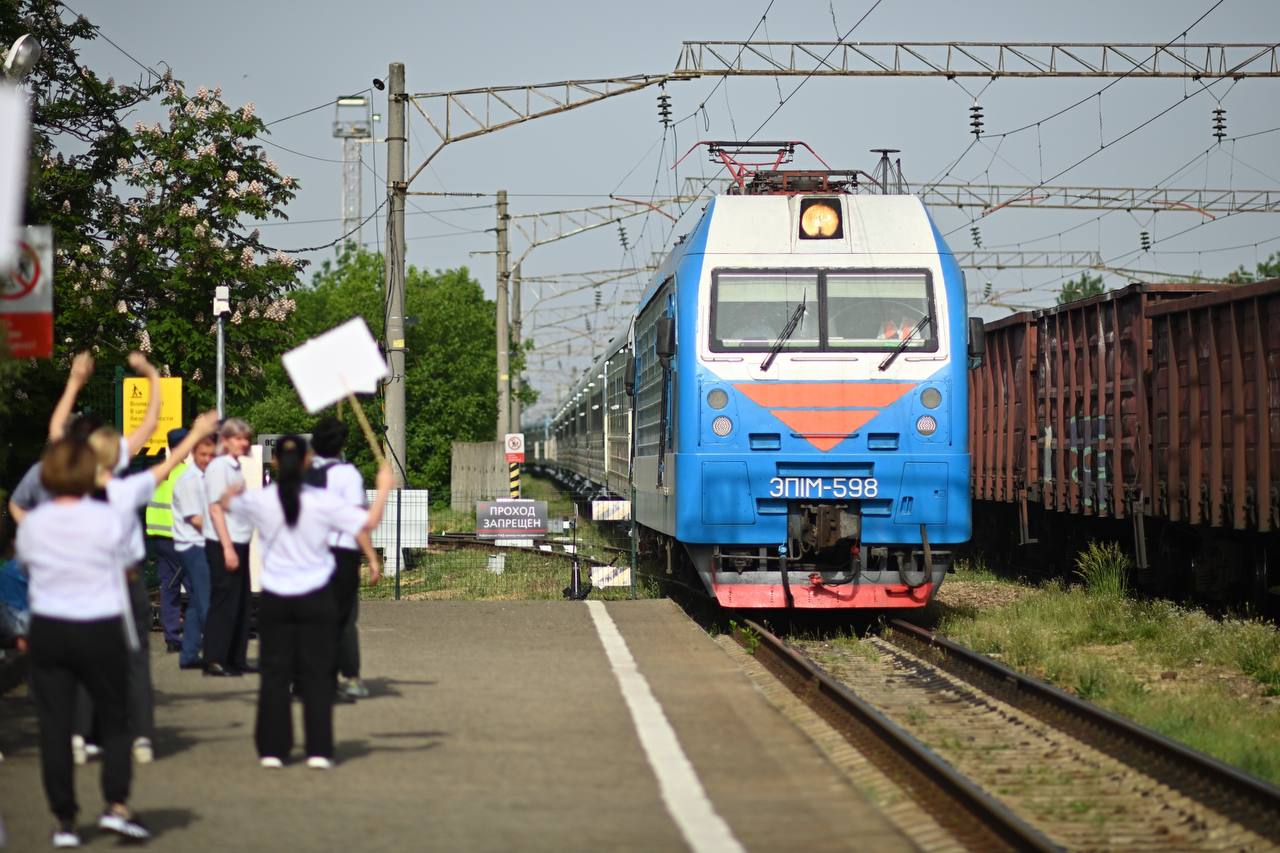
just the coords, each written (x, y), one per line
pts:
(137, 394)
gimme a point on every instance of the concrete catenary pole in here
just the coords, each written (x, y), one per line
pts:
(503, 334)
(394, 391)
(515, 336)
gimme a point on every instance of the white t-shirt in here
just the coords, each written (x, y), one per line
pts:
(343, 480)
(223, 472)
(76, 554)
(128, 495)
(188, 500)
(297, 560)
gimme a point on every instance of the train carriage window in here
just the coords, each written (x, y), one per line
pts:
(867, 311)
(752, 310)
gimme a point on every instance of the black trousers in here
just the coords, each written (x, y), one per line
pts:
(94, 654)
(226, 628)
(345, 584)
(298, 639)
(141, 696)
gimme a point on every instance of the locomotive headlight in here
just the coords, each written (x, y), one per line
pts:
(926, 425)
(931, 398)
(820, 218)
(717, 399)
(722, 426)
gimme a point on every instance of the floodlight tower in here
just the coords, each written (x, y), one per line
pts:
(352, 124)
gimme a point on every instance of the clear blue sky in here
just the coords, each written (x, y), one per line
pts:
(289, 57)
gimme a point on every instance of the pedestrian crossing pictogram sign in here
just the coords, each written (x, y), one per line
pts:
(137, 393)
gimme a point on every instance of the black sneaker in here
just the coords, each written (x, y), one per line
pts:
(127, 826)
(171, 646)
(220, 671)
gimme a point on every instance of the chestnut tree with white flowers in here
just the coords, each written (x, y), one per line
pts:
(150, 187)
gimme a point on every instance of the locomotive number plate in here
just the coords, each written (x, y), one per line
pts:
(824, 488)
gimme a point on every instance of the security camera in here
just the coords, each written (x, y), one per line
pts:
(378, 84)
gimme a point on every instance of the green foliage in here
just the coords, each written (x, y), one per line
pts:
(1268, 269)
(1104, 568)
(746, 636)
(450, 371)
(1080, 288)
(147, 222)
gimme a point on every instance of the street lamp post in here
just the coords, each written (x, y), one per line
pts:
(22, 57)
(221, 308)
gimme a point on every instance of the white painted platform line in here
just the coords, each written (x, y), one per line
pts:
(685, 799)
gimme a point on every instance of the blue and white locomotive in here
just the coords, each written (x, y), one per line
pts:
(789, 406)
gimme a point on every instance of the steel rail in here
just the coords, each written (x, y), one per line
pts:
(975, 817)
(1251, 801)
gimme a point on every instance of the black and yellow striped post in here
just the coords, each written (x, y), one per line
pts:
(513, 470)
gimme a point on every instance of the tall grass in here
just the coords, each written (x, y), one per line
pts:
(1104, 568)
(1173, 669)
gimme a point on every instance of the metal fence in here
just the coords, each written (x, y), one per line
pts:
(461, 567)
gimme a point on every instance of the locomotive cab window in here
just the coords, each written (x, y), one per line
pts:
(842, 310)
(752, 311)
(874, 311)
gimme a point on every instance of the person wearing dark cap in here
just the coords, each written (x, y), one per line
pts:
(160, 545)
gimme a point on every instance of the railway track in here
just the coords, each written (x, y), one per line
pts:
(981, 748)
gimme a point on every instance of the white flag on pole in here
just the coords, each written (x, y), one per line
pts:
(344, 360)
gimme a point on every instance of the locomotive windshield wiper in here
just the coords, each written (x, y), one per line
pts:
(902, 345)
(787, 331)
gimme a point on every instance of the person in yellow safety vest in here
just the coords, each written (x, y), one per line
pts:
(160, 539)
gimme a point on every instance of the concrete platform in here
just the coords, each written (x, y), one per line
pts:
(492, 726)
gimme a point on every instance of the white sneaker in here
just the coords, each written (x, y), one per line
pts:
(65, 837)
(78, 752)
(142, 752)
(270, 762)
(319, 762)
(128, 826)
(92, 750)
(355, 689)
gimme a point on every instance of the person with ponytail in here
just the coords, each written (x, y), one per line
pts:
(297, 615)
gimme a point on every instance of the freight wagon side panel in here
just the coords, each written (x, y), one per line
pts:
(1216, 408)
(1096, 419)
(1001, 412)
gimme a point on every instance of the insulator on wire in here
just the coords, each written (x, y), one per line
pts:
(975, 119)
(976, 235)
(664, 109)
(599, 298)
(1145, 239)
(1220, 123)
(588, 325)
(622, 237)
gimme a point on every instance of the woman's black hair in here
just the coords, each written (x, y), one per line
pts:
(291, 457)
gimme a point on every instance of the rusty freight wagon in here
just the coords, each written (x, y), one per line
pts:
(1149, 415)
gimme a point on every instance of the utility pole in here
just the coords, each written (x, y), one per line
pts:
(396, 143)
(503, 336)
(515, 336)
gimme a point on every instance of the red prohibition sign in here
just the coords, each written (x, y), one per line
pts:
(20, 285)
(513, 443)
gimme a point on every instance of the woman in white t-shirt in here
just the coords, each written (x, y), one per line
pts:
(297, 613)
(128, 495)
(76, 551)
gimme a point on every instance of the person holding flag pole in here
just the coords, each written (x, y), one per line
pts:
(298, 612)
